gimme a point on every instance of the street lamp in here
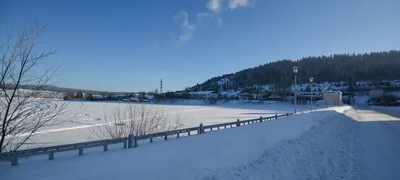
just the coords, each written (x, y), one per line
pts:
(311, 88)
(295, 71)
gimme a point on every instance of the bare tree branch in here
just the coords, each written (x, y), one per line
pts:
(137, 119)
(22, 115)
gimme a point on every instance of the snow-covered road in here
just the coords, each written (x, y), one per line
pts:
(378, 143)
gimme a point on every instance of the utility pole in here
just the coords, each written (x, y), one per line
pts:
(161, 90)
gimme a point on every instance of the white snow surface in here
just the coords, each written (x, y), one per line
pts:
(80, 117)
(336, 143)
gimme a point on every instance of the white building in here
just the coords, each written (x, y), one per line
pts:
(332, 98)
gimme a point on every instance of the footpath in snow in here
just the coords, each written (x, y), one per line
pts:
(378, 142)
(339, 143)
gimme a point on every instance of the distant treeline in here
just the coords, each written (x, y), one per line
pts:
(373, 66)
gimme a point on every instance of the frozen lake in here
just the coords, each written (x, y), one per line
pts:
(81, 116)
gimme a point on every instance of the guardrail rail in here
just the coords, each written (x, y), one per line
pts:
(128, 142)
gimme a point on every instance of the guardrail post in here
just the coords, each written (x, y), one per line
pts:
(177, 135)
(105, 147)
(201, 130)
(136, 145)
(237, 123)
(51, 155)
(125, 144)
(80, 151)
(165, 137)
(276, 116)
(218, 127)
(130, 140)
(14, 160)
(151, 139)
(188, 133)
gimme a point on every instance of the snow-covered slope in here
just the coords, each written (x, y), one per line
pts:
(320, 145)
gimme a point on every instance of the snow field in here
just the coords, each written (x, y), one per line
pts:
(78, 118)
(306, 146)
(334, 143)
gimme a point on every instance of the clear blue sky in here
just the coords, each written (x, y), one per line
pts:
(131, 45)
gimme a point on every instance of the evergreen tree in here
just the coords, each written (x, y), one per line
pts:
(375, 66)
(79, 95)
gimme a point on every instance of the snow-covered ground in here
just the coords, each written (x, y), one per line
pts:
(80, 117)
(337, 143)
(213, 154)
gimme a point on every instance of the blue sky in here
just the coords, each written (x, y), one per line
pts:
(131, 45)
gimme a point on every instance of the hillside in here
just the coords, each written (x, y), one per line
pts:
(373, 66)
(64, 89)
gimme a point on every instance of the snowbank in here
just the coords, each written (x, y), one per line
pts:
(307, 146)
(322, 152)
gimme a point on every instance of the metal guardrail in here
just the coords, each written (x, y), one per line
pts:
(128, 142)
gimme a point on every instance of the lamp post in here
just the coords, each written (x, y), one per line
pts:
(295, 71)
(311, 90)
(325, 101)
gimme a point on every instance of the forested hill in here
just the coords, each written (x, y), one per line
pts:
(341, 67)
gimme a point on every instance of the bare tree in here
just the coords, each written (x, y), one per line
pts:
(21, 114)
(137, 119)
